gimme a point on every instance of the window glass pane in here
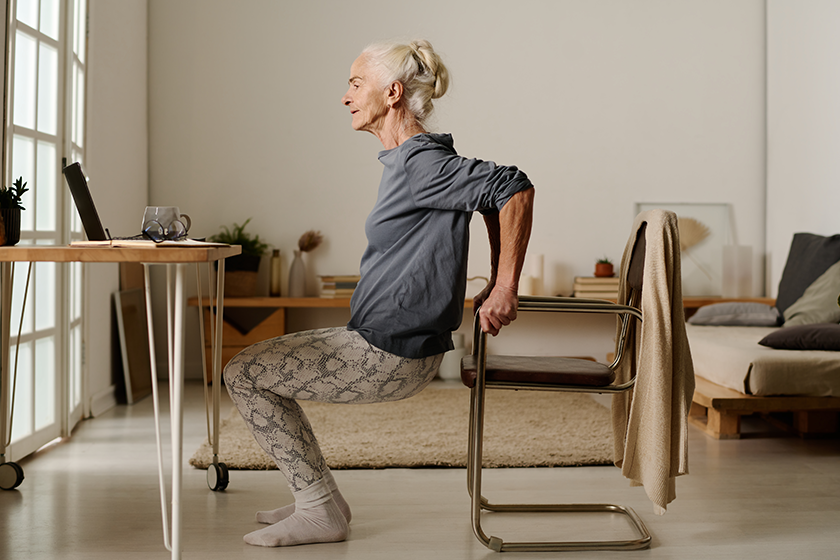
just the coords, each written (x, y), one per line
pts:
(22, 425)
(23, 165)
(79, 109)
(25, 72)
(45, 195)
(27, 12)
(48, 90)
(44, 382)
(18, 288)
(81, 27)
(72, 105)
(75, 366)
(76, 291)
(49, 18)
(44, 295)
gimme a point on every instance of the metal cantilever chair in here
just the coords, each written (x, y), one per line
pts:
(481, 372)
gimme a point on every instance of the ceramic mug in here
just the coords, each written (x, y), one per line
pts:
(165, 222)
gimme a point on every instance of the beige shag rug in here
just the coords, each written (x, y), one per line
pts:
(522, 429)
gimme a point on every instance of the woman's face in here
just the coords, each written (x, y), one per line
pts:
(366, 100)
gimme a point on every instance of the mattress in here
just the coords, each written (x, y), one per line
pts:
(732, 357)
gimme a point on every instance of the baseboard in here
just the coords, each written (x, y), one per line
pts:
(103, 401)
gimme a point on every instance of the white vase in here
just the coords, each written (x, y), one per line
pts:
(297, 277)
(450, 367)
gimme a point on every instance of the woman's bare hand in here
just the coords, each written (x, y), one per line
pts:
(498, 310)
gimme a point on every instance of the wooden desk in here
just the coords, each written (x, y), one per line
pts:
(176, 259)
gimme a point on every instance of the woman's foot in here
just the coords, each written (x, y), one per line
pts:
(270, 517)
(319, 524)
(316, 518)
(275, 515)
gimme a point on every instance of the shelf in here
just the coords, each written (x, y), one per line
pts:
(287, 302)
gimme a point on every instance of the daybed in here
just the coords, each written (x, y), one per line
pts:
(746, 363)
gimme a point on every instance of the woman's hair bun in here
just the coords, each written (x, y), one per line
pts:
(430, 61)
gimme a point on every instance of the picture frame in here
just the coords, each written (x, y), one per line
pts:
(702, 260)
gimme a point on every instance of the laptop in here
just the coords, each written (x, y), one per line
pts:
(75, 178)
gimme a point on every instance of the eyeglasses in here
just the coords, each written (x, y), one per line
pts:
(157, 233)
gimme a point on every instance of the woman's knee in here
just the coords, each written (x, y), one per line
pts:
(234, 371)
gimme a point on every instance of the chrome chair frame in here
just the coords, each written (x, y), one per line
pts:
(474, 464)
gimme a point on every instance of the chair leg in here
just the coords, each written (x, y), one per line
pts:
(478, 502)
(470, 453)
(474, 465)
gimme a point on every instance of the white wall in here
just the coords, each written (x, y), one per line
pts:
(604, 103)
(803, 182)
(117, 160)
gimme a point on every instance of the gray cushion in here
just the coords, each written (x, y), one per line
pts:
(809, 258)
(747, 314)
(805, 337)
(819, 302)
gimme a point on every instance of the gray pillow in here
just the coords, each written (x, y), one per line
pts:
(809, 258)
(741, 313)
(818, 304)
(805, 337)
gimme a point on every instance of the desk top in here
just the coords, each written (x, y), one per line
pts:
(152, 254)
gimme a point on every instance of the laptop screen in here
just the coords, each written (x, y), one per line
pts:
(84, 202)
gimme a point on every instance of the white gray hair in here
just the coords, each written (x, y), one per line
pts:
(417, 67)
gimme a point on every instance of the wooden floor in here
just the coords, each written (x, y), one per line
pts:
(96, 497)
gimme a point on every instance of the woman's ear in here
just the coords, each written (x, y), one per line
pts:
(394, 93)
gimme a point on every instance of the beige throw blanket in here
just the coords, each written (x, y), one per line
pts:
(650, 421)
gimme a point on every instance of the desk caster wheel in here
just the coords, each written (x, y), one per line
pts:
(11, 475)
(217, 477)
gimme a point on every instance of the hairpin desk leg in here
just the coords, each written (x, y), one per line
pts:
(11, 474)
(176, 309)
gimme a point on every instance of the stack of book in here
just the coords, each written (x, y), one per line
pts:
(338, 286)
(596, 288)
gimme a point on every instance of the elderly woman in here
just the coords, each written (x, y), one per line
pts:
(410, 296)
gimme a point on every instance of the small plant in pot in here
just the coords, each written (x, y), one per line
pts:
(10, 208)
(241, 270)
(604, 268)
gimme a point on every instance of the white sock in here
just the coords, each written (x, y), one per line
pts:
(273, 516)
(316, 519)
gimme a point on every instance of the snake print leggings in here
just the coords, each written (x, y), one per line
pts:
(332, 365)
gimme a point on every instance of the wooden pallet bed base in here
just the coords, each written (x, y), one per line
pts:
(717, 411)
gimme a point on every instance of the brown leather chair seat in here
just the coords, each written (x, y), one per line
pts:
(539, 370)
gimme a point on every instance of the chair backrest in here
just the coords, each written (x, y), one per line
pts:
(636, 269)
(635, 280)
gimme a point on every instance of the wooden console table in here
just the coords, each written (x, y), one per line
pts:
(275, 324)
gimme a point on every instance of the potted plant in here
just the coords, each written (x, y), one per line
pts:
(604, 268)
(241, 270)
(10, 208)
